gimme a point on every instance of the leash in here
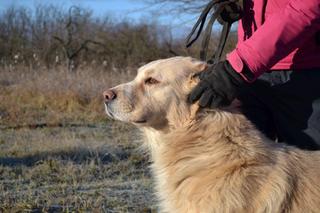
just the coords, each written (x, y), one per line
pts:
(226, 12)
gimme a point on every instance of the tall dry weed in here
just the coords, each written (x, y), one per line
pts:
(55, 95)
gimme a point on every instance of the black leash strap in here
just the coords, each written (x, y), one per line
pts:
(222, 42)
(207, 32)
(201, 21)
(223, 9)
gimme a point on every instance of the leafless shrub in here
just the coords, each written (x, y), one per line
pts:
(50, 36)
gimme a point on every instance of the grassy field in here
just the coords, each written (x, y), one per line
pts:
(59, 152)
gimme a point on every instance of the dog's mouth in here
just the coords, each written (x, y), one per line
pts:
(108, 111)
(140, 121)
(111, 115)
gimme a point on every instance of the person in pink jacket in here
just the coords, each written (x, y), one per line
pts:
(274, 71)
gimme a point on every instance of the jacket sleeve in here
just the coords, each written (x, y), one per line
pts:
(282, 33)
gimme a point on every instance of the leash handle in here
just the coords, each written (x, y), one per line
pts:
(201, 21)
(222, 42)
(208, 30)
(225, 7)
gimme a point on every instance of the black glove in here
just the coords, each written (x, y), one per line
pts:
(219, 85)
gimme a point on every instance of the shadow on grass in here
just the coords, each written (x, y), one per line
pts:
(78, 155)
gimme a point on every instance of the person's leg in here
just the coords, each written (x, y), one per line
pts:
(255, 105)
(285, 106)
(296, 108)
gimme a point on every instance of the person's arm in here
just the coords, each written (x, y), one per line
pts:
(282, 33)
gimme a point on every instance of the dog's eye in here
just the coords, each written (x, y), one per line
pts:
(151, 81)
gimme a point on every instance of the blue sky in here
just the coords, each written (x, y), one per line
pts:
(99, 7)
(96, 5)
(131, 9)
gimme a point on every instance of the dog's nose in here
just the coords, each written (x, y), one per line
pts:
(109, 95)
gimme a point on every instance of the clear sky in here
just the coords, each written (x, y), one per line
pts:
(99, 7)
(132, 9)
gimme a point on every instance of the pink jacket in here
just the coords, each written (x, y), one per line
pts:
(285, 40)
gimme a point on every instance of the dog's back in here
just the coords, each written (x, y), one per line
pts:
(303, 193)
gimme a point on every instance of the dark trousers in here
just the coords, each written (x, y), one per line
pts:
(285, 106)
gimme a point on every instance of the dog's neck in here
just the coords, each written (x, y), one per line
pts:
(211, 142)
(212, 128)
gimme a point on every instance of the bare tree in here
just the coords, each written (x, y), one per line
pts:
(178, 6)
(73, 45)
(49, 35)
(183, 7)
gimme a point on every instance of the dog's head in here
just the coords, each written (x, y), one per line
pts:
(157, 97)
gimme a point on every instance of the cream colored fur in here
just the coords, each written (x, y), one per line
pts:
(207, 161)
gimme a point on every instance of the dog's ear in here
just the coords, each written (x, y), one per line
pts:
(199, 66)
(194, 70)
(193, 79)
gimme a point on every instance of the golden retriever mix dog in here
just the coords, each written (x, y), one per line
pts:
(211, 160)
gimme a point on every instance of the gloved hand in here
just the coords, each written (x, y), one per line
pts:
(219, 85)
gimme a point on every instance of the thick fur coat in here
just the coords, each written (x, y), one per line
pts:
(207, 161)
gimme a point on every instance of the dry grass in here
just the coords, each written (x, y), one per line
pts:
(29, 96)
(80, 161)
